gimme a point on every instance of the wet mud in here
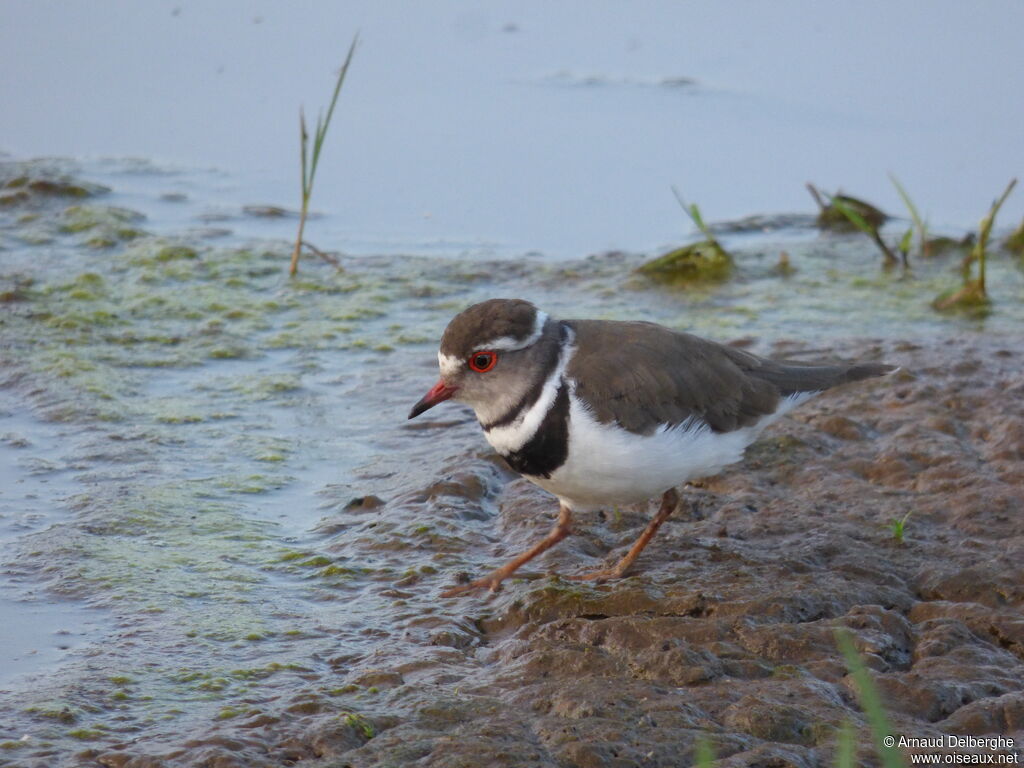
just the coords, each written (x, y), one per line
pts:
(213, 462)
(726, 626)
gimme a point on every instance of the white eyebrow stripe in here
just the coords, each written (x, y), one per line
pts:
(510, 344)
(449, 364)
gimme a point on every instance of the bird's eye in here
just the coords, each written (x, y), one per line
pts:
(482, 362)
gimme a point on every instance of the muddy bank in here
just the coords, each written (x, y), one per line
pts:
(725, 627)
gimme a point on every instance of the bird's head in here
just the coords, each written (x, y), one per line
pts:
(490, 355)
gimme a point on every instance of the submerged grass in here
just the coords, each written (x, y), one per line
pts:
(830, 217)
(704, 261)
(693, 212)
(973, 295)
(311, 161)
(919, 224)
(861, 216)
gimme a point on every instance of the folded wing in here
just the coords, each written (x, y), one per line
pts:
(642, 375)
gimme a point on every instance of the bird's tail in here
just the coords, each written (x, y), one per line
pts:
(792, 378)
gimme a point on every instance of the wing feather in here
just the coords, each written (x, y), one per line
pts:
(642, 375)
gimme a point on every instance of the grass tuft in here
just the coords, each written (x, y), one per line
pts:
(972, 294)
(924, 247)
(310, 161)
(860, 215)
(704, 261)
(829, 217)
(898, 527)
(693, 212)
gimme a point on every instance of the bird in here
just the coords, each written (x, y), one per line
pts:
(602, 412)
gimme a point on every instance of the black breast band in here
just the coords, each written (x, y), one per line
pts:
(548, 449)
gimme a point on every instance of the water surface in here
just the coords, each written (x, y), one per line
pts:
(530, 126)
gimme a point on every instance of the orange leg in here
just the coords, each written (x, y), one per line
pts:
(493, 581)
(669, 501)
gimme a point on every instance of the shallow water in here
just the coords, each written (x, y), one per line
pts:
(551, 127)
(193, 443)
(35, 629)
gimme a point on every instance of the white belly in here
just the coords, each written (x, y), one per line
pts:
(608, 465)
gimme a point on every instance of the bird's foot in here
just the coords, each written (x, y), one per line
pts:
(491, 582)
(604, 574)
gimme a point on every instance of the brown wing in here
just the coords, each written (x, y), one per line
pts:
(641, 375)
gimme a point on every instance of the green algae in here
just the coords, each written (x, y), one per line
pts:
(270, 386)
(316, 562)
(342, 571)
(701, 262)
(358, 723)
(173, 252)
(107, 221)
(343, 690)
(176, 411)
(269, 449)
(42, 179)
(60, 712)
(87, 734)
(261, 673)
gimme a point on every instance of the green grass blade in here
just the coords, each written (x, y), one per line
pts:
(682, 204)
(310, 160)
(905, 241)
(321, 130)
(914, 215)
(304, 151)
(985, 230)
(705, 754)
(846, 750)
(697, 218)
(861, 223)
(691, 210)
(318, 141)
(854, 218)
(870, 701)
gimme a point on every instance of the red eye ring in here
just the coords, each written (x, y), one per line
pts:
(483, 361)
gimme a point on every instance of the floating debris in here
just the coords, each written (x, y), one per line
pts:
(835, 217)
(843, 212)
